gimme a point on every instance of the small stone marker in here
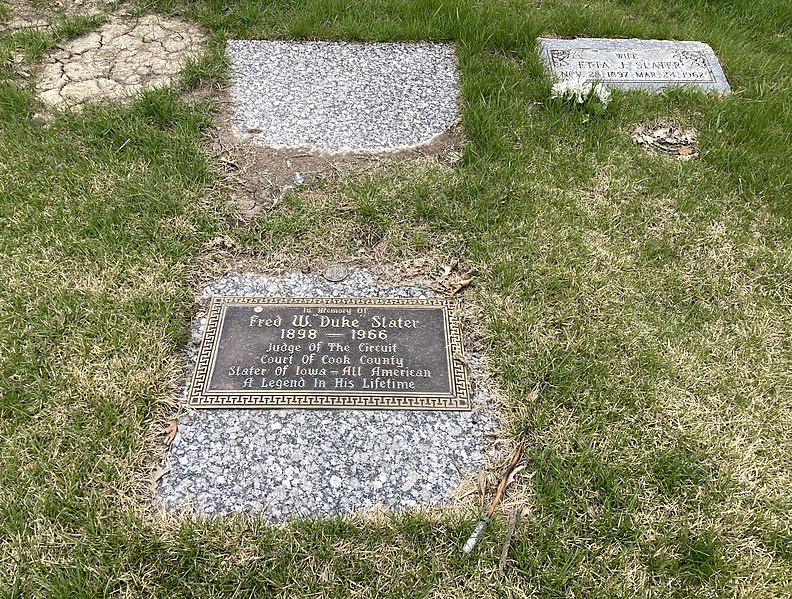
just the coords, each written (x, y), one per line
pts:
(635, 63)
(331, 353)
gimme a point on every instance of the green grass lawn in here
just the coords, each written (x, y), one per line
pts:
(649, 300)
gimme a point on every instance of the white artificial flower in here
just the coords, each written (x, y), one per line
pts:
(579, 88)
(560, 89)
(579, 83)
(603, 93)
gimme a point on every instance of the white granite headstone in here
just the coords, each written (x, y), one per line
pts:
(635, 64)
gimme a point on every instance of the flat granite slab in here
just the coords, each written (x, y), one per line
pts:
(283, 463)
(635, 64)
(339, 96)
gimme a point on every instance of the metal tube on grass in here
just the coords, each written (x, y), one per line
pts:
(477, 532)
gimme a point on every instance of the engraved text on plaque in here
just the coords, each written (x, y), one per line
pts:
(329, 352)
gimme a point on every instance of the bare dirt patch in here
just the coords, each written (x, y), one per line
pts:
(42, 14)
(121, 59)
(259, 176)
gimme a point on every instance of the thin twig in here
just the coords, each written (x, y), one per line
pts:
(509, 469)
(457, 466)
(507, 542)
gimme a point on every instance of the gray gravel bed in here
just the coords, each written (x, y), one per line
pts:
(339, 96)
(285, 463)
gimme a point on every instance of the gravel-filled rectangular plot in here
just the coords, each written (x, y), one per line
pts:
(283, 463)
(339, 96)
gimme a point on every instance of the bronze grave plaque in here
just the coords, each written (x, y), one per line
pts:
(331, 353)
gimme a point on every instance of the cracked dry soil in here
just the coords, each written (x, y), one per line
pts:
(119, 60)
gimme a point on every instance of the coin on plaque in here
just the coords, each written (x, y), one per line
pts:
(335, 273)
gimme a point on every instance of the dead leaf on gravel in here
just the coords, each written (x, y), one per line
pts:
(460, 286)
(513, 474)
(159, 473)
(415, 267)
(448, 269)
(170, 431)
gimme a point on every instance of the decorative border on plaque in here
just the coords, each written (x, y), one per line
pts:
(200, 396)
